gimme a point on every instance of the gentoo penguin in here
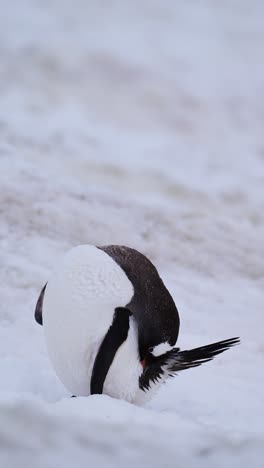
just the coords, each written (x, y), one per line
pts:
(111, 324)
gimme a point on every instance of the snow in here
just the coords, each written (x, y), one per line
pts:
(137, 123)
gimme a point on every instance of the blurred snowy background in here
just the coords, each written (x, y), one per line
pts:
(135, 122)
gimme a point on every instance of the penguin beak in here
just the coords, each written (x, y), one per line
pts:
(144, 364)
(38, 309)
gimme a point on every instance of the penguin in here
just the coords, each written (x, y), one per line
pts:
(111, 325)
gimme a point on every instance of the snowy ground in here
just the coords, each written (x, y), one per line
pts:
(138, 123)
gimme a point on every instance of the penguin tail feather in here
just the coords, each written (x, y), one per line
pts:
(170, 363)
(196, 357)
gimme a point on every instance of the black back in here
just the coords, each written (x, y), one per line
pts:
(152, 305)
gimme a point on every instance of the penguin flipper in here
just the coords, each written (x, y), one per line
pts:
(170, 363)
(112, 341)
(38, 309)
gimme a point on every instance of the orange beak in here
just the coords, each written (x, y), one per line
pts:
(144, 364)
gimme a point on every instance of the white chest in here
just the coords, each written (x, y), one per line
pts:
(79, 304)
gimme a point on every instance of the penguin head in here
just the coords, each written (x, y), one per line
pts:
(154, 352)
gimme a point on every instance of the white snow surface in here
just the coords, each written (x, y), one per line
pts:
(136, 123)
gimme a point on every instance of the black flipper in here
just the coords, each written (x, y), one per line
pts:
(38, 309)
(113, 339)
(168, 364)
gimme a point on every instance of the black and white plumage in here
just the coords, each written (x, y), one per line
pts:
(170, 363)
(111, 324)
